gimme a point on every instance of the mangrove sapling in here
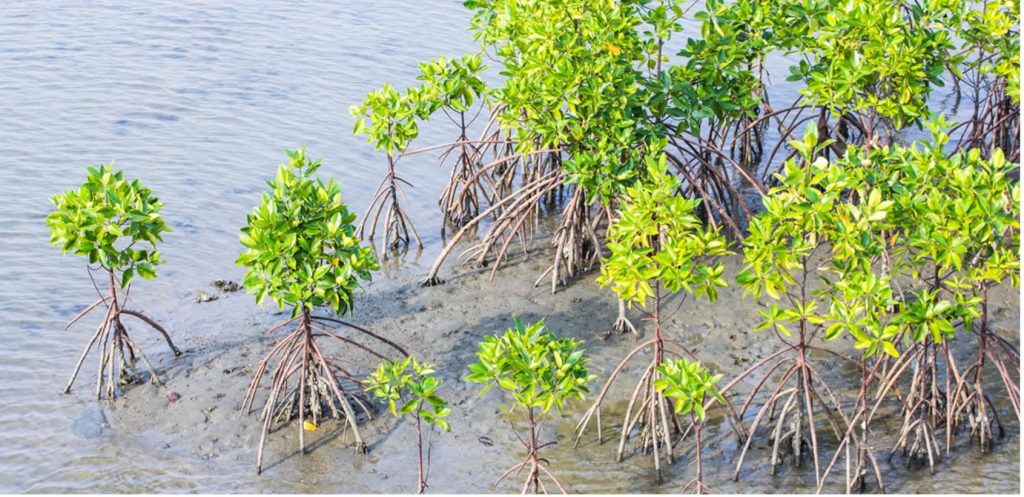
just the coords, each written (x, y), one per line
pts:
(960, 236)
(818, 205)
(392, 126)
(657, 245)
(541, 371)
(688, 384)
(453, 86)
(983, 206)
(409, 388)
(302, 251)
(116, 223)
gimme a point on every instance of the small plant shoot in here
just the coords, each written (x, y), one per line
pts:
(689, 385)
(302, 252)
(539, 371)
(116, 224)
(410, 388)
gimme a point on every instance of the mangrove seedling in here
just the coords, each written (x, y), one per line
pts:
(541, 371)
(409, 387)
(116, 223)
(302, 251)
(658, 246)
(817, 225)
(688, 385)
(389, 121)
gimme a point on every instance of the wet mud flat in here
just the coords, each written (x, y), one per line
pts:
(191, 435)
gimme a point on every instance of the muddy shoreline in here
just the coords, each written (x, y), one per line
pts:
(205, 437)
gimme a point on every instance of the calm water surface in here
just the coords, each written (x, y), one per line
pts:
(199, 100)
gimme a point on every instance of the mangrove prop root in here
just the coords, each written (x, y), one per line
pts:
(576, 242)
(534, 464)
(792, 406)
(397, 225)
(855, 444)
(622, 323)
(924, 408)
(648, 412)
(119, 355)
(971, 406)
(318, 389)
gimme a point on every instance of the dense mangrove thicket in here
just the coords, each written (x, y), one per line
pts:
(869, 251)
(648, 157)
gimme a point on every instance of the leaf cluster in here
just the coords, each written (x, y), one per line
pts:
(824, 209)
(688, 384)
(911, 237)
(878, 56)
(409, 387)
(389, 118)
(658, 238)
(301, 246)
(113, 221)
(572, 77)
(959, 227)
(537, 368)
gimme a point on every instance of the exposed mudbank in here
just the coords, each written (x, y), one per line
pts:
(190, 435)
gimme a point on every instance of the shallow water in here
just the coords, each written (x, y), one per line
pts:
(199, 100)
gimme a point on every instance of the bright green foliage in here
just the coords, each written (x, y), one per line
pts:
(658, 238)
(880, 217)
(960, 227)
(992, 35)
(717, 77)
(450, 84)
(301, 247)
(409, 387)
(539, 369)
(879, 56)
(571, 81)
(688, 384)
(388, 118)
(114, 222)
(826, 211)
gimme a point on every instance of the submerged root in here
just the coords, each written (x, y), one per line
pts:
(650, 417)
(924, 408)
(972, 408)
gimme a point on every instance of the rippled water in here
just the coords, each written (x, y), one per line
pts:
(199, 100)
